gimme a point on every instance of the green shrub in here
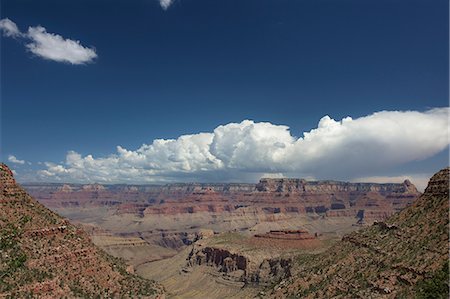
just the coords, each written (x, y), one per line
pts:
(435, 287)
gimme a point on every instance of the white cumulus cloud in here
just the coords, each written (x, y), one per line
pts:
(55, 47)
(13, 159)
(165, 3)
(345, 149)
(9, 28)
(49, 45)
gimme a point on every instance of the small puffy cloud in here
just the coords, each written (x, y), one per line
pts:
(345, 149)
(55, 47)
(49, 45)
(165, 3)
(14, 160)
(9, 28)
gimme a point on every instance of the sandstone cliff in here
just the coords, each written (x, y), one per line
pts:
(43, 255)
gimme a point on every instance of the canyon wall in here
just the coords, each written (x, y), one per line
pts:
(269, 196)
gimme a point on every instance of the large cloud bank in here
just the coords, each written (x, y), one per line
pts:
(347, 149)
(48, 45)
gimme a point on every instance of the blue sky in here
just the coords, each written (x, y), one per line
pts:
(164, 73)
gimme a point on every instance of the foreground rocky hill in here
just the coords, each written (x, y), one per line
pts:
(405, 256)
(43, 255)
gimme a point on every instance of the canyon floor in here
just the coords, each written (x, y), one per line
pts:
(159, 249)
(210, 268)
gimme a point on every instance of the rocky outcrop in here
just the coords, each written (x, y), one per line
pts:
(240, 267)
(177, 240)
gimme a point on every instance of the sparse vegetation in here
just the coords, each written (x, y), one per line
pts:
(41, 254)
(435, 287)
(406, 257)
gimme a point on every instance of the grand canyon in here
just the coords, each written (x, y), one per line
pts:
(224, 149)
(277, 238)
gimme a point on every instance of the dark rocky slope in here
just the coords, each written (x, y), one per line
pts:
(42, 255)
(403, 257)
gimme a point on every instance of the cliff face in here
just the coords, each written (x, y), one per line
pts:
(43, 255)
(268, 197)
(265, 185)
(238, 266)
(405, 256)
(301, 186)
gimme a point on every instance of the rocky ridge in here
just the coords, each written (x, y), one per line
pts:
(43, 255)
(405, 256)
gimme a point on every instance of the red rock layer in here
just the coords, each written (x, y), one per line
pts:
(269, 196)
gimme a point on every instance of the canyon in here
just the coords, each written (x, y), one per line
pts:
(213, 239)
(279, 238)
(172, 216)
(239, 206)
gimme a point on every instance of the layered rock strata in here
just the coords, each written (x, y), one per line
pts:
(268, 197)
(238, 266)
